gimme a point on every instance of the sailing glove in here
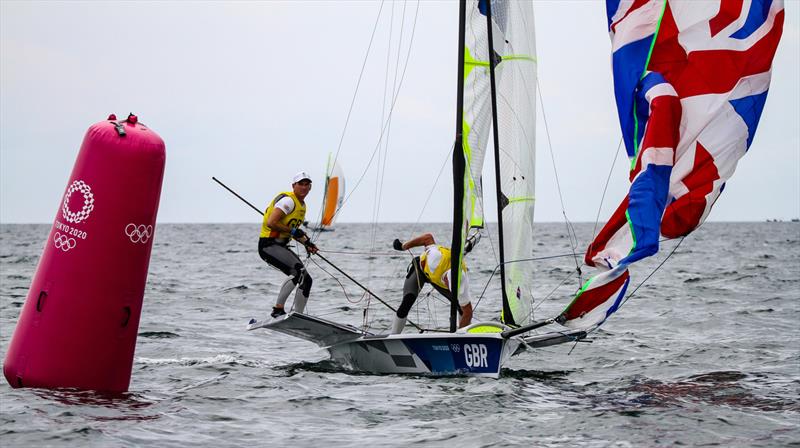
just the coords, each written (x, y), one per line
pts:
(311, 247)
(397, 244)
(297, 233)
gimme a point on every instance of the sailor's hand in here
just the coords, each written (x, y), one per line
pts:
(397, 244)
(311, 248)
(297, 233)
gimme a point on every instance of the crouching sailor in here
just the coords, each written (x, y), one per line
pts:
(282, 222)
(433, 267)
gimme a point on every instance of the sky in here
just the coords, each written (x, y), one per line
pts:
(252, 92)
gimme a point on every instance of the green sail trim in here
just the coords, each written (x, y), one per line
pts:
(518, 57)
(474, 221)
(644, 72)
(467, 182)
(633, 234)
(579, 294)
(469, 186)
(470, 62)
(521, 199)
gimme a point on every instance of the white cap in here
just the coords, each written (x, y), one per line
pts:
(300, 176)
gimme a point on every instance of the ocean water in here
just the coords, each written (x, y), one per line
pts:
(705, 353)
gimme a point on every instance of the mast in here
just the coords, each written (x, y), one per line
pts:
(459, 166)
(508, 317)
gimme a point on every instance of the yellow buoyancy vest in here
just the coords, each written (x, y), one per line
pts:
(293, 219)
(435, 276)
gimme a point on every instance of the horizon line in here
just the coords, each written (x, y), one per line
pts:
(763, 220)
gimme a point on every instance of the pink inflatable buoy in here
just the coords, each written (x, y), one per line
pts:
(79, 323)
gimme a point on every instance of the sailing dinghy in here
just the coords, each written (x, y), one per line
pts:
(480, 349)
(333, 195)
(691, 80)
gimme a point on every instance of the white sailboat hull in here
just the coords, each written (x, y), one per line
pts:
(481, 354)
(437, 354)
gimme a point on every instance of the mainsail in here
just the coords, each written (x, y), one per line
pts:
(334, 192)
(690, 80)
(497, 91)
(514, 44)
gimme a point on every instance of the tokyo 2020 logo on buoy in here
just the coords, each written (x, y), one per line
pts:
(81, 187)
(138, 234)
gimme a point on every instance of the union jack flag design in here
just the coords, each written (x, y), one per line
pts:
(690, 83)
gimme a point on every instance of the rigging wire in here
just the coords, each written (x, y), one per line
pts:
(378, 183)
(564, 280)
(389, 118)
(380, 175)
(394, 276)
(570, 229)
(653, 272)
(447, 158)
(387, 121)
(496, 268)
(603, 197)
(433, 188)
(489, 233)
(358, 83)
(385, 144)
(316, 232)
(354, 252)
(344, 290)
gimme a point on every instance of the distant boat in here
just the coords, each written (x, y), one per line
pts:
(333, 195)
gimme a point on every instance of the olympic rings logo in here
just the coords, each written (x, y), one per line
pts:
(138, 234)
(63, 242)
(88, 202)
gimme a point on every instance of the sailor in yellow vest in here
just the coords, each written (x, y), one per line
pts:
(433, 267)
(282, 221)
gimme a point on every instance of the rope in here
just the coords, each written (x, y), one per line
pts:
(344, 290)
(496, 268)
(573, 238)
(316, 232)
(602, 198)
(380, 174)
(433, 188)
(653, 272)
(564, 280)
(389, 118)
(381, 170)
(349, 252)
(419, 217)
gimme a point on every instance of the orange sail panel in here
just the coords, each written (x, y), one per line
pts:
(331, 200)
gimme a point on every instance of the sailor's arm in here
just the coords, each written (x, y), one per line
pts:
(466, 309)
(426, 239)
(274, 222)
(466, 315)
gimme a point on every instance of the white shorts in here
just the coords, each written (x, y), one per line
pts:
(463, 288)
